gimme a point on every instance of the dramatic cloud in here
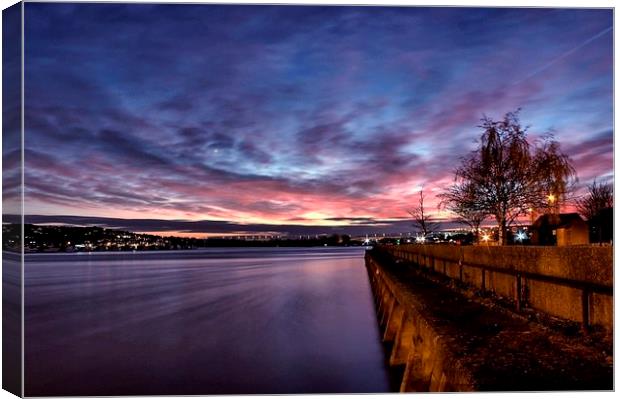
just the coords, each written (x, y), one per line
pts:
(252, 117)
(207, 228)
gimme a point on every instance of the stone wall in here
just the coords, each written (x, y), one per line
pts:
(442, 340)
(574, 283)
(416, 345)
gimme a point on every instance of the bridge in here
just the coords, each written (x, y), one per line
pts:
(512, 318)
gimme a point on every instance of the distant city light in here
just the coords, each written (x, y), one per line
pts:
(485, 237)
(551, 198)
(420, 239)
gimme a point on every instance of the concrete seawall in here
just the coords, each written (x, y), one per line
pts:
(573, 283)
(448, 342)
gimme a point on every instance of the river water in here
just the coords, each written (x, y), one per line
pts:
(214, 321)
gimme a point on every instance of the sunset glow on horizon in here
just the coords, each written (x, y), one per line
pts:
(304, 116)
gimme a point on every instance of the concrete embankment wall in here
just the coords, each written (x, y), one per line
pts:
(446, 340)
(573, 283)
(416, 345)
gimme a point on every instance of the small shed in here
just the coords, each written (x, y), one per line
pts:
(560, 229)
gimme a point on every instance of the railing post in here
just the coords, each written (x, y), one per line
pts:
(586, 298)
(518, 298)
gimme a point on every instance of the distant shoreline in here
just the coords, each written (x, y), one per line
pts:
(193, 250)
(72, 239)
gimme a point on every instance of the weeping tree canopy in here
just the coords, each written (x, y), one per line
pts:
(506, 177)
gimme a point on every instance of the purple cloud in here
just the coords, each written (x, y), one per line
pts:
(269, 114)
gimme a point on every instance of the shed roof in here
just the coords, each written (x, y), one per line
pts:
(558, 220)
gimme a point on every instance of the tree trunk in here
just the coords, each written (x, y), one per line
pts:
(503, 239)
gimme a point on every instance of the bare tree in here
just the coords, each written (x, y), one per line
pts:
(505, 177)
(460, 199)
(421, 218)
(599, 197)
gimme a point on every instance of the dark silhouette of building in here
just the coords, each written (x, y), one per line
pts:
(602, 226)
(560, 229)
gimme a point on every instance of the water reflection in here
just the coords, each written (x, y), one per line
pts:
(201, 322)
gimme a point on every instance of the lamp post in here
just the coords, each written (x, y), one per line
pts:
(553, 203)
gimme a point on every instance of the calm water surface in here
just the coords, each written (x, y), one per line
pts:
(259, 320)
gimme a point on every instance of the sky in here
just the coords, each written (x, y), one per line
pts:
(293, 119)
